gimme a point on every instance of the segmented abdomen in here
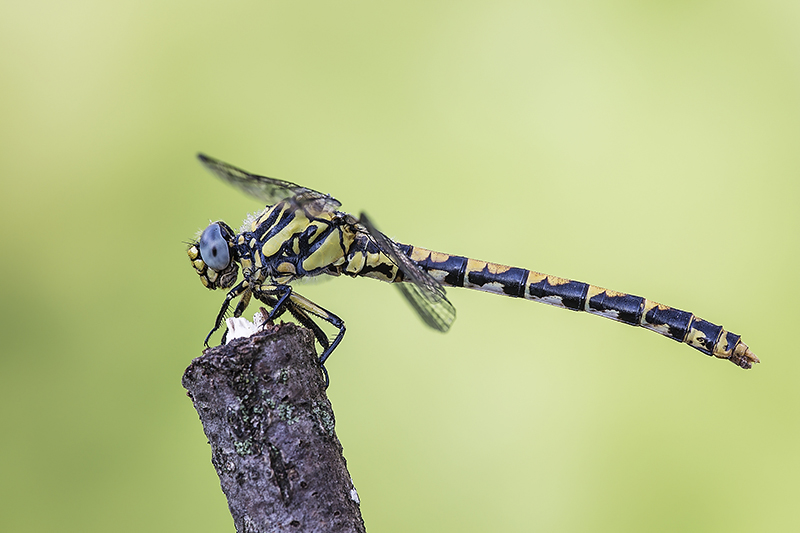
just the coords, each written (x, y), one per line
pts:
(682, 326)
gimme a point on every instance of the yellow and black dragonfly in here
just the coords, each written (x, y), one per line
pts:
(301, 233)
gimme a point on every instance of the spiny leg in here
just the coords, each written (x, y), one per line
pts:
(284, 303)
(281, 298)
(233, 293)
(307, 322)
(242, 305)
(311, 308)
(237, 312)
(276, 296)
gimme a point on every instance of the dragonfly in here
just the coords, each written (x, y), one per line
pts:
(302, 234)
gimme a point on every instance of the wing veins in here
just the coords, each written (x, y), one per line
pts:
(425, 294)
(270, 190)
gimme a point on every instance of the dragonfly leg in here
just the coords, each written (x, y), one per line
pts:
(284, 303)
(281, 298)
(305, 320)
(276, 296)
(311, 308)
(232, 294)
(242, 305)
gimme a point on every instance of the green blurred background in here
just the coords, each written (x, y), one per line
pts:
(649, 147)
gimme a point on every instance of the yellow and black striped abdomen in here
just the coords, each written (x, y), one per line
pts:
(682, 326)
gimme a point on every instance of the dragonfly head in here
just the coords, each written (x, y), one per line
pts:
(213, 256)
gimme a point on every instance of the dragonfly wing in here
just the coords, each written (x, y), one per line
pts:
(436, 314)
(315, 203)
(269, 190)
(423, 292)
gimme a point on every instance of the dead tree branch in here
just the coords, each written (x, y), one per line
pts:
(262, 403)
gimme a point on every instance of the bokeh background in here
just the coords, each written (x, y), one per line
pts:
(649, 147)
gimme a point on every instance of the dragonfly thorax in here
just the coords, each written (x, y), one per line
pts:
(287, 242)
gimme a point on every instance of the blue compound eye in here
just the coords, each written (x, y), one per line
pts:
(214, 248)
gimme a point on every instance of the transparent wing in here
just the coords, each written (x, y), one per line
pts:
(438, 315)
(269, 190)
(423, 292)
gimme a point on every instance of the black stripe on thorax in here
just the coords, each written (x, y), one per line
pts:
(273, 224)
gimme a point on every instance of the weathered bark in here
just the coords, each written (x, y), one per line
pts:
(262, 403)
